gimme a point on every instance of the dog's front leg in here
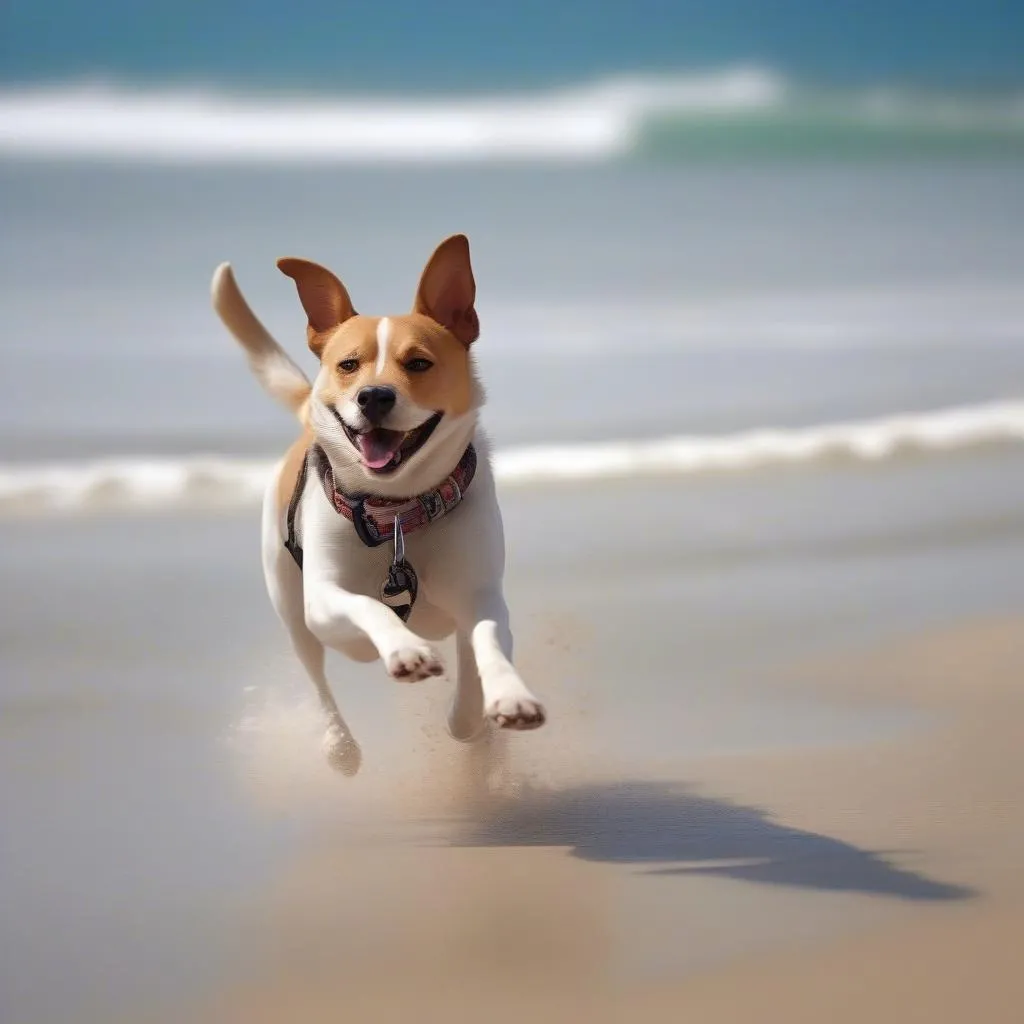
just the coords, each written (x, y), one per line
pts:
(507, 701)
(346, 621)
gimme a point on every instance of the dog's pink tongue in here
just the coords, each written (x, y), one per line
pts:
(378, 447)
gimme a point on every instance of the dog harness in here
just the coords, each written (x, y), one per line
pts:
(378, 520)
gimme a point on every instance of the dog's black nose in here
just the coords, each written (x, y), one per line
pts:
(376, 403)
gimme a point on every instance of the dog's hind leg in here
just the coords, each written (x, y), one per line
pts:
(341, 749)
(284, 585)
(466, 717)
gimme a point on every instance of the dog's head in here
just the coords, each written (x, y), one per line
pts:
(396, 399)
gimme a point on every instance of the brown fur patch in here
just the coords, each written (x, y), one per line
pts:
(446, 387)
(289, 474)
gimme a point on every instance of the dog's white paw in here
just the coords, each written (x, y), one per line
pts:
(343, 753)
(521, 711)
(413, 663)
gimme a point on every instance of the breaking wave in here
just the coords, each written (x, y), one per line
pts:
(745, 110)
(206, 482)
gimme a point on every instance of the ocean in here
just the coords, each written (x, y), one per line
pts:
(693, 306)
(712, 227)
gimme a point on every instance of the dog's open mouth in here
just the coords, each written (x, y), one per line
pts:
(383, 451)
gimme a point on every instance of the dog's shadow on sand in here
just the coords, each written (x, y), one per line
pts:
(678, 832)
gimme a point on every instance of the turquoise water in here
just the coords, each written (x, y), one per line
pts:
(645, 80)
(467, 46)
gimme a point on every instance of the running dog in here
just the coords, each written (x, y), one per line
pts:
(381, 525)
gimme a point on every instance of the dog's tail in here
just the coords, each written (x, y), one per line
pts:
(273, 368)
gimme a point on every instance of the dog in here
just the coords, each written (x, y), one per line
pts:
(381, 525)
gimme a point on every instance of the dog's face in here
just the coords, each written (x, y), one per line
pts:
(395, 402)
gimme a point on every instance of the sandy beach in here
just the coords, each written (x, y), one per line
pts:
(780, 781)
(872, 882)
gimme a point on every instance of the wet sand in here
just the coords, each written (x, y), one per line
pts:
(781, 778)
(878, 881)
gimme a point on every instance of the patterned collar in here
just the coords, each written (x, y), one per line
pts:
(374, 518)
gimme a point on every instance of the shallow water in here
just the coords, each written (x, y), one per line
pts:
(713, 300)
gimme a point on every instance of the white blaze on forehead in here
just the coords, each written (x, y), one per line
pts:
(383, 335)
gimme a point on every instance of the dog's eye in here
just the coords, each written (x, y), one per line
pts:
(348, 365)
(418, 365)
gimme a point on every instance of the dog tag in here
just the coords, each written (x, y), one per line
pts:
(398, 591)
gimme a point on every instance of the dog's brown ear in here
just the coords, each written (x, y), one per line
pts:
(447, 291)
(323, 297)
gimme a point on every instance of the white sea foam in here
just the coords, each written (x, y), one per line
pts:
(177, 484)
(595, 122)
(599, 121)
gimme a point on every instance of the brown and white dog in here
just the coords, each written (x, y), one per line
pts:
(390, 429)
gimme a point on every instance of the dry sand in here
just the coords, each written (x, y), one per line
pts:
(875, 882)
